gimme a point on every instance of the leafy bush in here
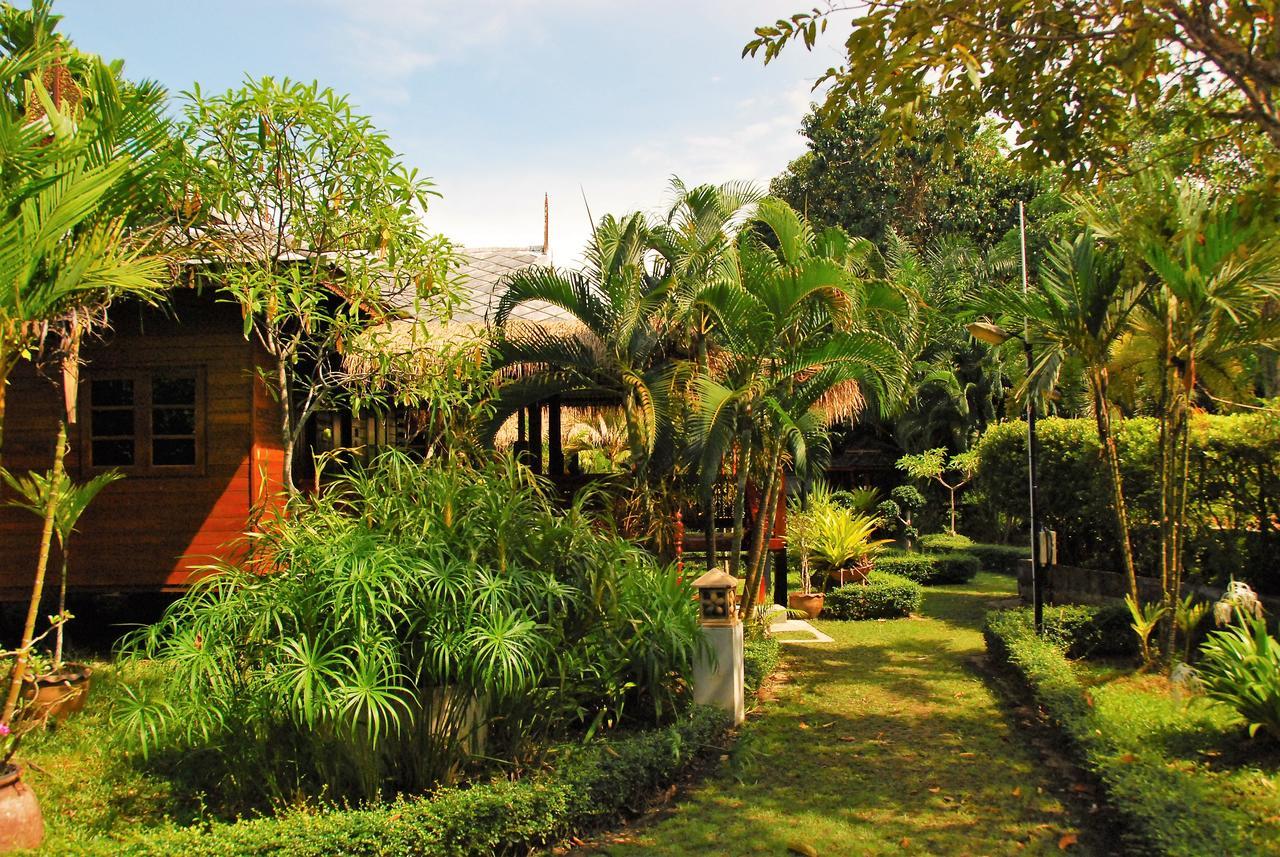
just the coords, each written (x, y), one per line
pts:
(1172, 806)
(378, 636)
(1235, 461)
(943, 542)
(588, 786)
(930, 569)
(760, 657)
(1001, 559)
(1240, 666)
(1082, 631)
(882, 596)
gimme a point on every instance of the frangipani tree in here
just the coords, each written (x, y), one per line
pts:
(316, 225)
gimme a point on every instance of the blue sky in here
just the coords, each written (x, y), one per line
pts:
(501, 101)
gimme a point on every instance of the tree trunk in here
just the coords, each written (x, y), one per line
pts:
(740, 503)
(286, 425)
(953, 509)
(37, 588)
(1102, 417)
(62, 610)
(710, 528)
(760, 533)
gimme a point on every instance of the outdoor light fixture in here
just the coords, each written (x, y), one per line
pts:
(992, 334)
(717, 597)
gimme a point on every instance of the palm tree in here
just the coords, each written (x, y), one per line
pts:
(615, 347)
(1080, 312)
(790, 329)
(65, 244)
(1216, 268)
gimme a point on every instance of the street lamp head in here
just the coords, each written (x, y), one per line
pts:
(992, 334)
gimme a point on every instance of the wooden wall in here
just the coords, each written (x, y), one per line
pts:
(149, 532)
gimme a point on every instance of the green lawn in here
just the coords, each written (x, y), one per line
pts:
(888, 741)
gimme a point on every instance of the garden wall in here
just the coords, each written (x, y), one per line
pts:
(1068, 584)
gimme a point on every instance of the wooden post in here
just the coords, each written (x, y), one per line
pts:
(555, 458)
(522, 440)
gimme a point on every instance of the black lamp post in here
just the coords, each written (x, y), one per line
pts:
(995, 335)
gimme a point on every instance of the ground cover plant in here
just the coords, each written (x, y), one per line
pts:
(1182, 771)
(408, 619)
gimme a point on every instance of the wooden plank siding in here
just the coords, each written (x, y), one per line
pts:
(147, 532)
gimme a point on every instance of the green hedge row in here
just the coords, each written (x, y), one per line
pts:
(1170, 809)
(930, 568)
(760, 656)
(1233, 501)
(882, 596)
(589, 786)
(1002, 559)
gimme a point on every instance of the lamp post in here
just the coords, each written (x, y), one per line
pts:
(993, 334)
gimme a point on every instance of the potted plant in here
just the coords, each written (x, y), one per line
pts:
(806, 601)
(56, 688)
(21, 823)
(842, 545)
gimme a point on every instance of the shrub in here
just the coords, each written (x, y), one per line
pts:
(1235, 460)
(1001, 559)
(930, 569)
(1173, 807)
(760, 657)
(1082, 631)
(942, 542)
(882, 596)
(587, 787)
(378, 635)
(1240, 667)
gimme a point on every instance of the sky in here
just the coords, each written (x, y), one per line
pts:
(501, 102)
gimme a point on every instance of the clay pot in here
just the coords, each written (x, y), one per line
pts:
(810, 605)
(21, 825)
(854, 574)
(53, 696)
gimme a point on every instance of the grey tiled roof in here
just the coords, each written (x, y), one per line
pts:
(481, 274)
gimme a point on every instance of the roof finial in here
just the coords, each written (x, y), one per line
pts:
(546, 224)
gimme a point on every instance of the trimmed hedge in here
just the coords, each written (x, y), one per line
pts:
(760, 656)
(589, 786)
(1002, 559)
(1235, 465)
(930, 568)
(1171, 807)
(1083, 631)
(882, 596)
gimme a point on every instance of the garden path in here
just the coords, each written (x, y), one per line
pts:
(889, 740)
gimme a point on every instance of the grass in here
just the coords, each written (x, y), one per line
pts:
(887, 741)
(87, 789)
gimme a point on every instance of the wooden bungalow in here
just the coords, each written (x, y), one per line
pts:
(169, 397)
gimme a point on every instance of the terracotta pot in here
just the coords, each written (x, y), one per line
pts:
(53, 696)
(21, 825)
(810, 605)
(854, 574)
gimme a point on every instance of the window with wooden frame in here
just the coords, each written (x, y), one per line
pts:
(145, 422)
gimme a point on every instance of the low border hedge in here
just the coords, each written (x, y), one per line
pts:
(589, 786)
(1170, 809)
(930, 569)
(760, 657)
(882, 596)
(1002, 559)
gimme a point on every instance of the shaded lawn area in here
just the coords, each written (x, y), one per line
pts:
(888, 741)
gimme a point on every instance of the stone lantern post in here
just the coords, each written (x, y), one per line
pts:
(717, 674)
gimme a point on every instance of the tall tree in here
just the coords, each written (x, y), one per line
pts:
(316, 225)
(1067, 77)
(845, 179)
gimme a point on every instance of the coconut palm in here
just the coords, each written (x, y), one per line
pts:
(790, 330)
